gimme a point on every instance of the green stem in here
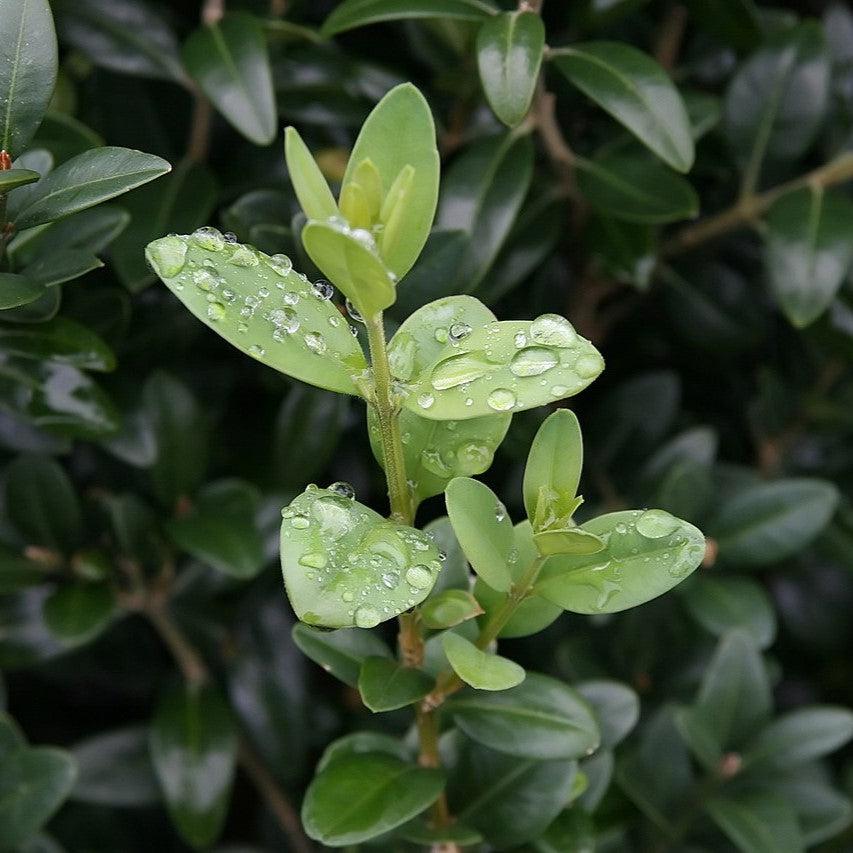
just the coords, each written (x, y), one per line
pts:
(399, 495)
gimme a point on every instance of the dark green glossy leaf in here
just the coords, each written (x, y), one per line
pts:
(358, 797)
(221, 531)
(482, 195)
(34, 781)
(359, 13)
(127, 36)
(261, 306)
(228, 59)
(344, 565)
(12, 178)
(479, 669)
(798, 737)
(647, 553)
(511, 800)
(636, 91)
(768, 522)
(616, 707)
(42, 503)
(60, 340)
(56, 268)
(115, 769)
(18, 290)
(509, 54)
(385, 684)
(340, 653)
(777, 101)
(757, 822)
(27, 70)
(636, 188)
(540, 719)
(193, 745)
(77, 613)
(808, 250)
(721, 603)
(361, 742)
(88, 179)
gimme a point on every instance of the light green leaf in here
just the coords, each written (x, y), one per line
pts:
(360, 13)
(480, 669)
(808, 251)
(484, 530)
(553, 471)
(568, 540)
(509, 54)
(345, 565)
(193, 742)
(352, 266)
(540, 719)
(359, 797)
(648, 552)
(768, 522)
(449, 608)
(505, 366)
(28, 61)
(636, 91)
(636, 188)
(311, 188)
(88, 179)
(399, 134)
(340, 653)
(261, 305)
(229, 61)
(385, 684)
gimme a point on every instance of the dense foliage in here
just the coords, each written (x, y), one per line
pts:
(456, 178)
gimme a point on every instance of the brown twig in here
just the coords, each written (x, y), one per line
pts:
(671, 34)
(198, 142)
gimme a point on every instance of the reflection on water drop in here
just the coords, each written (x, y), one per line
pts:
(655, 523)
(459, 331)
(533, 361)
(256, 351)
(459, 369)
(501, 399)
(216, 311)
(345, 490)
(353, 311)
(280, 264)
(554, 330)
(244, 256)
(473, 458)
(209, 238)
(322, 289)
(299, 521)
(520, 339)
(425, 400)
(315, 342)
(314, 560)
(419, 577)
(168, 256)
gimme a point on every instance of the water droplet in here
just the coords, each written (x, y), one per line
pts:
(559, 390)
(473, 458)
(299, 521)
(366, 617)
(291, 297)
(500, 512)
(533, 361)
(425, 400)
(229, 237)
(345, 490)
(621, 529)
(284, 319)
(420, 577)
(459, 331)
(459, 369)
(322, 289)
(353, 311)
(169, 256)
(216, 311)
(554, 330)
(280, 264)
(315, 342)
(655, 523)
(520, 339)
(242, 328)
(209, 238)
(588, 366)
(501, 400)
(244, 256)
(314, 560)
(432, 460)
(206, 280)
(257, 351)
(229, 295)
(390, 579)
(347, 596)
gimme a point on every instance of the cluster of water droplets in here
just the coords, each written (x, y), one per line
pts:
(278, 293)
(550, 344)
(357, 563)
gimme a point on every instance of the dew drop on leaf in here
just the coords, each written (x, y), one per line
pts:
(216, 311)
(244, 256)
(280, 264)
(459, 369)
(315, 342)
(589, 365)
(420, 577)
(169, 256)
(459, 331)
(533, 361)
(366, 617)
(501, 399)
(345, 490)
(656, 523)
(554, 330)
(209, 238)
(353, 311)
(299, 521)
(425, 400)
(322, 289)
(314, 560)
